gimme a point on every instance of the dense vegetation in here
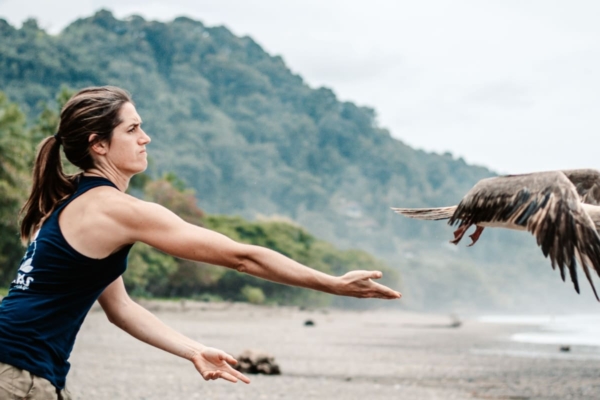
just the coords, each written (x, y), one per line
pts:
(252, 139)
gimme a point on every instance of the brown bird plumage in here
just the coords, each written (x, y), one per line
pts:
(559, 208)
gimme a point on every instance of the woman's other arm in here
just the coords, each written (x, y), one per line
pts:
(143, 325)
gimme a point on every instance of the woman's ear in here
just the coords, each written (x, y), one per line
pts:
(100, 147)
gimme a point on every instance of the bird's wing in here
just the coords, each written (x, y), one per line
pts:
(587, 184)
(545, 204)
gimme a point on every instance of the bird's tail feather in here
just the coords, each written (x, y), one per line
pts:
(432, 214)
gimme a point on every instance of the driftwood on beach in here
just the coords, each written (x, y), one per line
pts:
(257, 362)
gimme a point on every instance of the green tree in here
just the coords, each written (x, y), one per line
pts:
(15, 152)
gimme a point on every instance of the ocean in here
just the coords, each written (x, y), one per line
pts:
(576, 329)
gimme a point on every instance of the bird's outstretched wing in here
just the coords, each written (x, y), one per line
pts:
(547, 205)
(587, 184)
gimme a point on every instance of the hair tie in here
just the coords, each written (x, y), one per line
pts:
(57, 138)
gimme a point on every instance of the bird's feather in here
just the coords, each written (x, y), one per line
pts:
(587, 184)
(432, 214)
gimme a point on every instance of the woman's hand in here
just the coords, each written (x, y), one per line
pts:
(214, 364)
(360, 284)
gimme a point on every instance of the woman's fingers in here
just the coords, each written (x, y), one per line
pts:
(375, 274)
(213, 375)
(229, 359)
(210, 375)
(228, 377)
(385, 292)
(374, 289)
(362, 275)
(232, 376)
(240, 376)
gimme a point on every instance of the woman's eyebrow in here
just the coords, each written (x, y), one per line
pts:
(136, 123)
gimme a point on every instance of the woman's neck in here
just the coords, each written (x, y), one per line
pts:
(121, 181)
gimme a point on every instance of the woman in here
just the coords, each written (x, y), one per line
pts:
(80, 230)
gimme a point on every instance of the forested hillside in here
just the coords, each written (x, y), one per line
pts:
(253, 139)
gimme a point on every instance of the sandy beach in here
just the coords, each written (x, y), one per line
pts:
(383, 354)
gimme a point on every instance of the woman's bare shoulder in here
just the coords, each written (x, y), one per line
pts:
(122, 205)
(133, 214)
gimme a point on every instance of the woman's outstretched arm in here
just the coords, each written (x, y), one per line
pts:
(157, 226)
(145, 326)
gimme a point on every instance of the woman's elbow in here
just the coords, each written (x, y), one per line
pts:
(115, 312)
(244, 259)
(241, 264)
(112, 317)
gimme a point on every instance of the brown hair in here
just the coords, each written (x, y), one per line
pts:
(93, 110)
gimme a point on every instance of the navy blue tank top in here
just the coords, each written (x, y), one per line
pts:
(47, 302)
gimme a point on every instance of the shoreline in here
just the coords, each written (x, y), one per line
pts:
(368, 354)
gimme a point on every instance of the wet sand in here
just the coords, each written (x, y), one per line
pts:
(345, 355)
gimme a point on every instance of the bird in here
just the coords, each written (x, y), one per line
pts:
(561, 209)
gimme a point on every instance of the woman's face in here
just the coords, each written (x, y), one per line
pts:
(127, 149)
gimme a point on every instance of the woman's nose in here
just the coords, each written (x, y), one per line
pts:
(145, 138)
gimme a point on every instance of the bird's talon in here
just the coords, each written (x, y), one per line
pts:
(459, 233)
(475, 236)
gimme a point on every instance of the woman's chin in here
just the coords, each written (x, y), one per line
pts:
(139, 169)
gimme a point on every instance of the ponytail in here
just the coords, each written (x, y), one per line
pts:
(50, 186)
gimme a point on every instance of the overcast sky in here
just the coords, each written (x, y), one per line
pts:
(513, 85)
